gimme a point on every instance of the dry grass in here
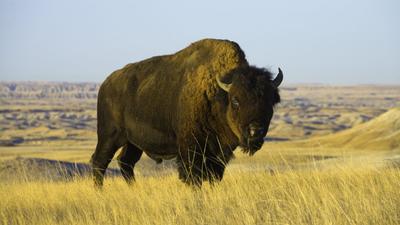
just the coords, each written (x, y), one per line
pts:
(341, 178)
(344, 195)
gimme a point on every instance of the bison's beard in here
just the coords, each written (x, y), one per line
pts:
(251, 147)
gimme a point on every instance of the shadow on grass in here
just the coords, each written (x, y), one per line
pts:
(45, 169)
(40, 169)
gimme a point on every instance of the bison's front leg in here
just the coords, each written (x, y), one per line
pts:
(190, 167)
(215, 169)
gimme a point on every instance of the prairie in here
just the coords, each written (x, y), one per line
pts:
(344, 195)
(332, 156)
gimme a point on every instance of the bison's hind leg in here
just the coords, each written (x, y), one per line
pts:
(127, 159)
(102, 156)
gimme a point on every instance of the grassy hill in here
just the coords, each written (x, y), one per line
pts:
(380, 133)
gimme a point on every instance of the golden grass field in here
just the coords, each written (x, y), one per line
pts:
(332, 159)
(344, 195)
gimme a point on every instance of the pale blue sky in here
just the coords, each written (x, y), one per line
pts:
(334, 42)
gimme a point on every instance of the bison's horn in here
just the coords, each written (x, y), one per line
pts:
(224, 86)
(278, 79)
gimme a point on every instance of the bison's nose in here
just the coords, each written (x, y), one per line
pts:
(256, 130)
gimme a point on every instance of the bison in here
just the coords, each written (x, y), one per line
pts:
(196, 106)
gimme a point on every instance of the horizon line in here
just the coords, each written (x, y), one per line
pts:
(283, 85)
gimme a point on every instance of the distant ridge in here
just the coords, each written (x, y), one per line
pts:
(48, 90)
(380, 133)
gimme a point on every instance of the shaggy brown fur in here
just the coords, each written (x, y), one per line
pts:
(173, 107)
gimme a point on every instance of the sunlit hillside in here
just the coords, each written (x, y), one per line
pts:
(381, 133)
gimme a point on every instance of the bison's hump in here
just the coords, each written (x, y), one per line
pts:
(213, 54)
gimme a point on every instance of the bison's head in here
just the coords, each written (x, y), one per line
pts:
(252, 94)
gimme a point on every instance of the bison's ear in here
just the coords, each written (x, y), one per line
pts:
(225, 82)
(278, 79)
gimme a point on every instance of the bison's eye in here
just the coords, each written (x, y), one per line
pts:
(235, 103)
